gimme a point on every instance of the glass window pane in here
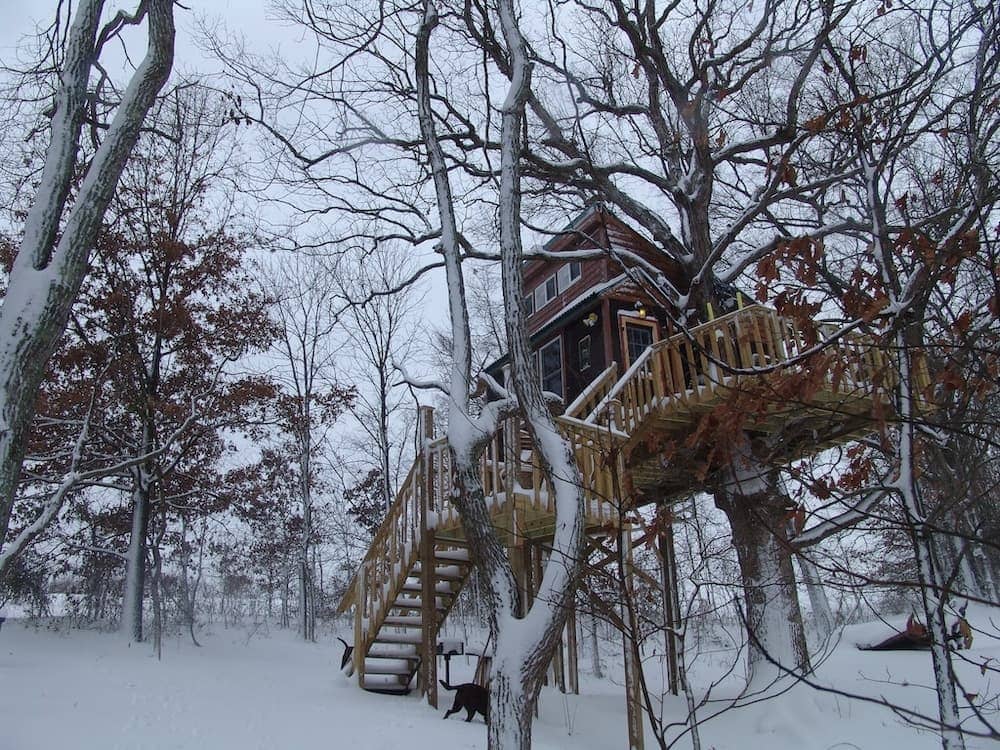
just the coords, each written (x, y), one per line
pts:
(550, 365)
(584, 353)
(638, 339)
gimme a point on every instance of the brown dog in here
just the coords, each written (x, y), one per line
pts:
(471, 697)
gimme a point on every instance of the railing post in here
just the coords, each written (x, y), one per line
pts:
(659, 381)
(360, 610)
(428, 593)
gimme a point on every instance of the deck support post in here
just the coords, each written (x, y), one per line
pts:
(572, 651)
(633, 695)
(428, 593)
(558, 662)
(671, 607)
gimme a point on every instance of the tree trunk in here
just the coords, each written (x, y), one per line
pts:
(135, 562)
(595, 651)
(822, 615)
(933, 591)
(511, 710)
(757, 512)
(53, 256)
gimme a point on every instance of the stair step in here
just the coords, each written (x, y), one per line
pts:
(415, 602)
(392, 651)
(390, 637)
(403, 622)
(456, 555)
(378, 665)
(414, 584)
(442, 572)
(385, 683)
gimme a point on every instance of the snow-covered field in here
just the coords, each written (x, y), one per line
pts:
(62, 688)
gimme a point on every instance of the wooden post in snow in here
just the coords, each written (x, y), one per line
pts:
(572, 651)
(671, 607)
(428, 593)
(360, 615)
(633, 697)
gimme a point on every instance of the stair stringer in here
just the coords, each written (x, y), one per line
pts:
(392, 647)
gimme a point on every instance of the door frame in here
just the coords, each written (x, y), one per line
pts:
(627, 318)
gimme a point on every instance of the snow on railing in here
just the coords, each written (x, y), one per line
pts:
(593, 394)
(509, 472)
(692, 369)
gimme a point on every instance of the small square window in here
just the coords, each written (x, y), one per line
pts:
(583, 353)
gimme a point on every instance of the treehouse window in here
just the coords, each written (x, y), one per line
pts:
(583, 353)
(638, 338)
(568, 274)
(550, 370)
(545, 292)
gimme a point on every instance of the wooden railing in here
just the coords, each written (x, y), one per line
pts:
(593, 394)
(390, 557)
(684, 371)
(695, 368)
(425, 500)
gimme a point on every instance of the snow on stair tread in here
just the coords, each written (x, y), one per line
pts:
(402, 622)
(415, 602)
(441, 571)
(385, 682)
(415, 585)
(398, 638)
(381, 665)
(458, 555)
(392, 651)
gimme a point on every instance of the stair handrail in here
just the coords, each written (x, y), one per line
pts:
(405, 500)
(593, 393)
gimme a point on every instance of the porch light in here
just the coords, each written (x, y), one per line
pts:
(640, 308)
(591, 320)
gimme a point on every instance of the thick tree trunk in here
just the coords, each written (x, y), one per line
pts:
(511, 711)
(757, 512)
(135, 562)
(822, 615)
(53, 256)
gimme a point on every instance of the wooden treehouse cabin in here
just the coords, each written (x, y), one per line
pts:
(631, 383)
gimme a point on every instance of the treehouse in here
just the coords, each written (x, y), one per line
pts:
(637, 396)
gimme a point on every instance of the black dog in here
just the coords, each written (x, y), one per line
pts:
(345, 660)
(471, 697)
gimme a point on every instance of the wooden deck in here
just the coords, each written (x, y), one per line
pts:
(750, 366)
(752, 371)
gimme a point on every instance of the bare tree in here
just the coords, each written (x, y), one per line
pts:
(382, 326)
(307, 348)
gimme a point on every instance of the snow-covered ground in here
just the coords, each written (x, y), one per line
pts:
(62, 688)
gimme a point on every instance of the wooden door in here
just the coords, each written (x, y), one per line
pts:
(637, 335)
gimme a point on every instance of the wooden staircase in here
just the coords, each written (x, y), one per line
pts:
(392, 654)
(399, 606)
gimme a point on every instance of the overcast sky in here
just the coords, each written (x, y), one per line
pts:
(251, 19)
(248, 17)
